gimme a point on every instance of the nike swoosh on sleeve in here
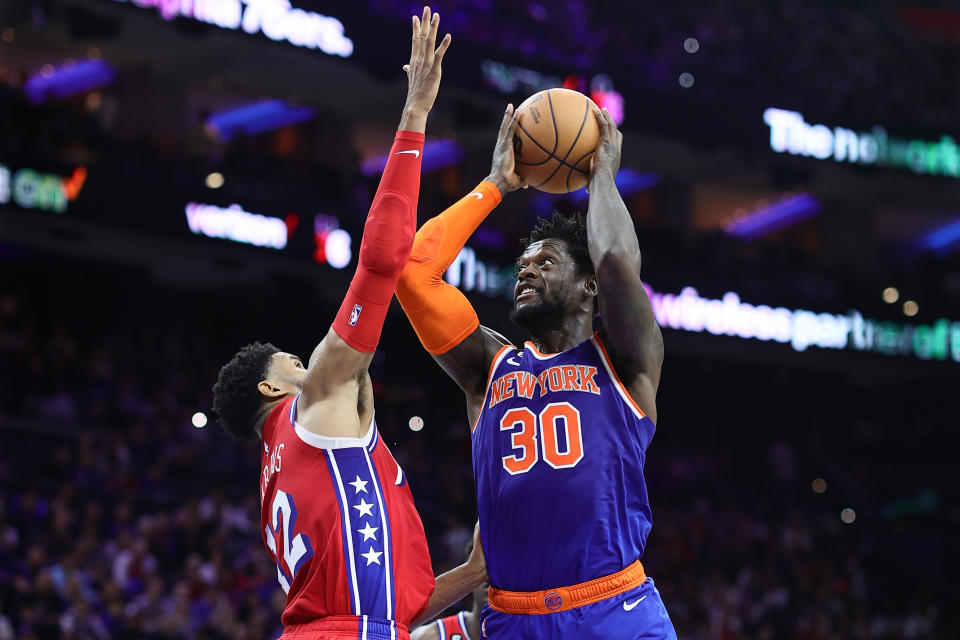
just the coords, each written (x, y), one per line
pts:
(415, 152)
(475, 194)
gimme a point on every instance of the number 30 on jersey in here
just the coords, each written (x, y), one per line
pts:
(556, 418)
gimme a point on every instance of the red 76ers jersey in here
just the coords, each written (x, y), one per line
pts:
(339, 520)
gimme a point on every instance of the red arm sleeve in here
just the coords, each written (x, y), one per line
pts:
(385, 247)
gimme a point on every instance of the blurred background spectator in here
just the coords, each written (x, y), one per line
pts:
(797, 493)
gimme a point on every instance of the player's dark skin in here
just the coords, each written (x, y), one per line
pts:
(472, 617)
(547, 274)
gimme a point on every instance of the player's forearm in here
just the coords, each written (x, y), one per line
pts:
(458, 222)
(401, 174)
(499, 182)
(610, 231)
(452, 587)
(387, 238)
(414, 119)
(439, 313)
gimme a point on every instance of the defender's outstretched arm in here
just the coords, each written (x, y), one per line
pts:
(441, 315)
(339, 363)
(629, 327)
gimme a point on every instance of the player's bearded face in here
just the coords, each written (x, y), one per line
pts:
(544, 292)
(544, 313)
(545, 307)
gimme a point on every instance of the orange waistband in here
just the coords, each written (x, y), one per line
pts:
(563, 598)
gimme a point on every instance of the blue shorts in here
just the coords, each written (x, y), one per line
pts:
(638, 614)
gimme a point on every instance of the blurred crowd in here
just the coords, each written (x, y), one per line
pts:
(121, 519)
(850, 57)
(124, 515)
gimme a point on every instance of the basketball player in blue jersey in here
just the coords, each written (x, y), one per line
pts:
(562, 424)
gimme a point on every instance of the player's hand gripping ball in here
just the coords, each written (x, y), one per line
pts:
(554, 140)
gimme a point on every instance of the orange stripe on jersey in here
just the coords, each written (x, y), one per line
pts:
(538, 353)
(608, 363)
(493, 367)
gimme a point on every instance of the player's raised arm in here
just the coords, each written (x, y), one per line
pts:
(630, 330)
(342, 358)
(444, 320)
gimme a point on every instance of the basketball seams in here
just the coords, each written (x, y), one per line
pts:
(573, 167)
(576, 167)
(553, 119)
(562, 162)
(542, 148)
(556, 137)
(556, 182)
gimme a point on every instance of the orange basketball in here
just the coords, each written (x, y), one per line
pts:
(555, 138)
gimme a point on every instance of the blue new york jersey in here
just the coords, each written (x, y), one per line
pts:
(558, 454)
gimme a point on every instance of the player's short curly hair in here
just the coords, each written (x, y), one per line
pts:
(570, 228)
(236, 398)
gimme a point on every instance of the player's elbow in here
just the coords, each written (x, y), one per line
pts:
(387, 236)
(410, 287)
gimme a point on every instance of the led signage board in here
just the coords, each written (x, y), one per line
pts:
(31, 189)
(508, 79)
(276, 19)
(731, 316)
(233, 223)
(791, 133)
(332, 245)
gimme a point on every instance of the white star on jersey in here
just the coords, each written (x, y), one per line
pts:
(368, 532)
(359, 485)
(372, 556)
(363, 508)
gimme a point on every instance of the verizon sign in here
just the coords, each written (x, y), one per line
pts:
(233, 223)
(276, 19)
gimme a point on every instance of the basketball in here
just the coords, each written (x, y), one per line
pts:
(556, 135)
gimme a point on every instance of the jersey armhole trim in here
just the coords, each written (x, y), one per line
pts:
(621, 388)
(497, 359)
(317, 441)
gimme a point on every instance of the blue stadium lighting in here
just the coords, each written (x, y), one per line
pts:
(628, 181)
(437, 154)
(68, 80)
(942, 240)
(777, 216)
(257, 118)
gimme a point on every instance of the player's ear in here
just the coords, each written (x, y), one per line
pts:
(591, 287)
(269, 390)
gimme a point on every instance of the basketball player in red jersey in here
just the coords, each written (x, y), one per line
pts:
(337, 514)
(463, 625)
(561, 425)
